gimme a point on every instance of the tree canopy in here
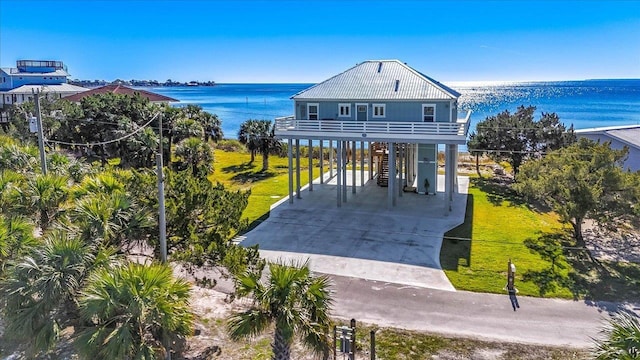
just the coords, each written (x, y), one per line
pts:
(518, 137)
(584, 180)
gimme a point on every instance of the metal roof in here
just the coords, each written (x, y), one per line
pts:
(379, 80)
(16, 72)
(628, 134)
(61, 88)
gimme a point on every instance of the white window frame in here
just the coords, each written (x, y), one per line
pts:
(379, 106)
(317, 105)
(345, 106)
(434, 112)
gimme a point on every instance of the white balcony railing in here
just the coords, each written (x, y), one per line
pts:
(374, 129)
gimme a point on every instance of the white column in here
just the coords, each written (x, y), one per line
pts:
(298, 169)
(353, 167)
(290, 154)
(310, 149)
(391, 191)
(338, 174)
(447, 179)
(361, 163)
(321, 163)
(400, 168)
(370, 161)
(344, 156)
(331, 158)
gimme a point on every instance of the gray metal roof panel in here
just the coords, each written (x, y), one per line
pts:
(630, 136)
(379, 80)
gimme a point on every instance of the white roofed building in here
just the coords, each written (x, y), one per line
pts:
(399, 114)
(619, 136)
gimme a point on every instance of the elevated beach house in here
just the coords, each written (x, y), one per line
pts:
(399, 114)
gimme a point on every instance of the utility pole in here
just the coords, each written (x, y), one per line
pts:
(43, 157)
(162, 222)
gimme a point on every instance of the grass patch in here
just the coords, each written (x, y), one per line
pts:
(499, 223)
(236, 171)
(401, 344)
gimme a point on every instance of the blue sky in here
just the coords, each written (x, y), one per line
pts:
(309, 41)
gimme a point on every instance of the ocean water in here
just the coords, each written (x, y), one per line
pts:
(583, 104)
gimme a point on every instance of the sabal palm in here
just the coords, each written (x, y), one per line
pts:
(11, 188)
(16, 239)
(249, 136)
(44, 195)
(197, 154)
(622, 339)
(133, 310)
(292, 299)
(39, 290)
(109, 219)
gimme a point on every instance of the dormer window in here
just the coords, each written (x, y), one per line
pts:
(344, 110)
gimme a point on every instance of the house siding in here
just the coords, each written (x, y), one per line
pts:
(633, 160)
(395, 110)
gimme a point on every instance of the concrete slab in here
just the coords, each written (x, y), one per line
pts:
(363, 238)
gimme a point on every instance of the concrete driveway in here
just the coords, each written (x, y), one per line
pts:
(363, 239)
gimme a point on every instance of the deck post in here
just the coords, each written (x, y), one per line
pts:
(298, 169)
(321, 163)
(331, 158)
(338, 174)
(343, 154)
(370, 161)
(310, 165)
(353, 166)
(391, 191)
(290, 155)
(400, 168)
(361, 163)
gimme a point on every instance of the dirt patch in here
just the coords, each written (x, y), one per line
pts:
(617, 246)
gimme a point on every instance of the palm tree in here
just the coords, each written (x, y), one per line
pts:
(44, 195)
(259, 137)
(186, 128)
(197, 154)
(297, 302)
(16, 239)
(133, 310)
(248, 136)
(622, 339)
(39, 290)
(268, 143)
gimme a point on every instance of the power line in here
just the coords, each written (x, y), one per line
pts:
(105, 142)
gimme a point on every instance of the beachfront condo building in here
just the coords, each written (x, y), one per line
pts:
(383, 108)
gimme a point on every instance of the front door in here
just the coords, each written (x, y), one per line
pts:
(361, 112)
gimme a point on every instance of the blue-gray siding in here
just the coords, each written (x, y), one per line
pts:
(395, 110)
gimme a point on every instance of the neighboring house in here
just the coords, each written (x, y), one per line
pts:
(619, 136)
(18, 84)
(398, 113)
(121, 89)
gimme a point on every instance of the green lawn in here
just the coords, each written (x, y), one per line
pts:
(498, 225)
(235, 170)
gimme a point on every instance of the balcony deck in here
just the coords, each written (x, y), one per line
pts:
(397, 131)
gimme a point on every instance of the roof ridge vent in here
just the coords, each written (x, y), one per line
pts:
(397, 85)
(379, 66)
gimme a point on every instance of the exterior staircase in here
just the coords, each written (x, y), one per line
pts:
(383, 173)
